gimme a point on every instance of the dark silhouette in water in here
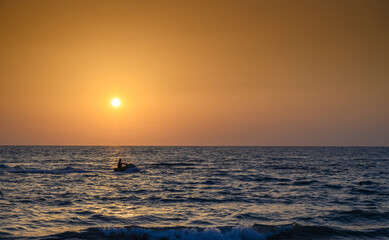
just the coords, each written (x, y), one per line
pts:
(123, 166)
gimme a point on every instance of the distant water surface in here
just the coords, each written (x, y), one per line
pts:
(62, 192)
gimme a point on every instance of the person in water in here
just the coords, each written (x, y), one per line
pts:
(121, 165)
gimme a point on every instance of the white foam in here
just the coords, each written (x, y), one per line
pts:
(236, 233)
(132, 170)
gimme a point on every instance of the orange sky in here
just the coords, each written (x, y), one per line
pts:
(274, 72)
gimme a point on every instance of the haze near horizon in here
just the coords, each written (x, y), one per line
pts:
(194, 72)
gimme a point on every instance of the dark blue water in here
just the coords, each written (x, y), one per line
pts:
(55, 192)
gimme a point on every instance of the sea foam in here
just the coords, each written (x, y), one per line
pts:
(230, 233)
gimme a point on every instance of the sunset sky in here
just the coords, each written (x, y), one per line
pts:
(274, 72)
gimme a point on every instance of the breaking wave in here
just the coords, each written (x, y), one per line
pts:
(256, 232)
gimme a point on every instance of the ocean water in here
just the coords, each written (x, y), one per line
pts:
(62, 192)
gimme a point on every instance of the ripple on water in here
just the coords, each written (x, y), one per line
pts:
(210, 187)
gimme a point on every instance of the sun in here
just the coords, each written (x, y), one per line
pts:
(115, 102)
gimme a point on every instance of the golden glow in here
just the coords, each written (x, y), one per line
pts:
(227, 72)
(115, 102)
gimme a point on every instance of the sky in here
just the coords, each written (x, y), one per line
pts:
(257, 73)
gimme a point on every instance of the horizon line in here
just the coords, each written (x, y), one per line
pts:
(112, 145)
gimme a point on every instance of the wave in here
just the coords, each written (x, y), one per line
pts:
(173, 233)
(271, 179)
(304, 183)
(19, 169)
(333, 186)
(177, 164)
(257, 231)
(134, 170)
(359, 215)
(188, 233)
(131, 170)
(325, 232)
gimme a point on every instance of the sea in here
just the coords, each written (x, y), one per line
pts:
(73, 192)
